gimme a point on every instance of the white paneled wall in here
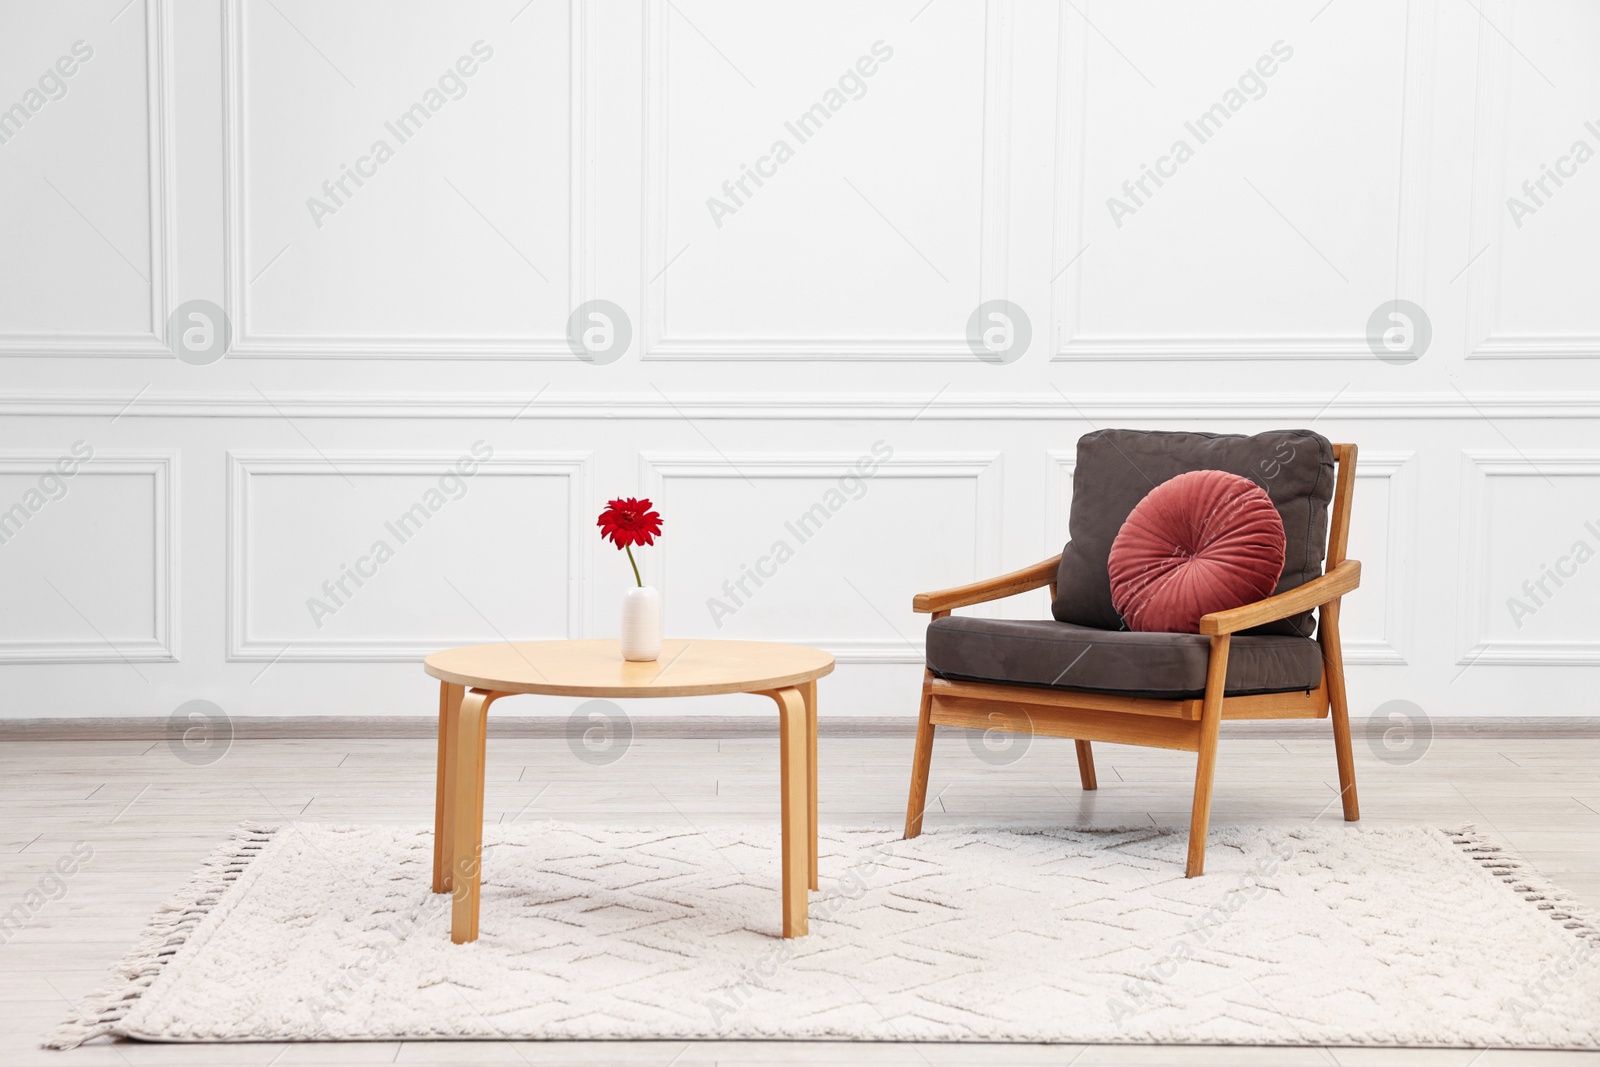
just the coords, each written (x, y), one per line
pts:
(798, 209)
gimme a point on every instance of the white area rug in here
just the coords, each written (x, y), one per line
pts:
(1330, 934)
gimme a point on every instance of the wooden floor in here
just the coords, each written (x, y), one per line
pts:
(151, 817)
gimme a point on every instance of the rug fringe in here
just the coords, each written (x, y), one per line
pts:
(99, 1013)
(1560, 905)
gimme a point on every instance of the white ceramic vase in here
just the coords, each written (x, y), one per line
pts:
(641, 623)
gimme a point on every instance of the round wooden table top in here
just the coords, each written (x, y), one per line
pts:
(595, 668)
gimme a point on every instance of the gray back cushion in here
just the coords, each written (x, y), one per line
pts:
(1116, 468)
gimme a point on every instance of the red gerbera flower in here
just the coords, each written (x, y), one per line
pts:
(626, 522)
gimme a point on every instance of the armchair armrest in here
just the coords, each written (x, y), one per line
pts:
(1040, 574)
(1313, 594)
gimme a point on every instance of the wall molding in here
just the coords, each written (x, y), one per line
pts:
(993, 237)
(1398, 472)
(1047, 405)
(161, 166)
(983, 468)
(1488, 217)
(1070, 201)
(1059, 465)
(1538, 346)
(1478, 468)
(1490, 113)
(245, 646)
(162, 645)
(236, 268)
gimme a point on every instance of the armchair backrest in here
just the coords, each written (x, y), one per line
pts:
(1343, 490)
(1116, 468)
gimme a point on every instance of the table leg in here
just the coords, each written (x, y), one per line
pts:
(794, 778)
(809, 691)
(445, 785)
(466, 864)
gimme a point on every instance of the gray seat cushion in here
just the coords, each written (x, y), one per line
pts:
(1063, 655)
(1116, 468)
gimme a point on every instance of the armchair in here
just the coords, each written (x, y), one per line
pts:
(1163, 690)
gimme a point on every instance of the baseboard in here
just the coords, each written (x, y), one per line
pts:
(311, 727)
(708, 726)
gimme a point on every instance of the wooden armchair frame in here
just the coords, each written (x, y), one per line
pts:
(1190, 725)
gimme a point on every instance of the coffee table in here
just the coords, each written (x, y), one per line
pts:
(474, 677)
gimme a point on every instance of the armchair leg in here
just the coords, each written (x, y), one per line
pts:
(922, 760)
(1210, 726)
(1333, 668)
(1086, 765)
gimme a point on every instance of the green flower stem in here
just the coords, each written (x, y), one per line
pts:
(635, 566)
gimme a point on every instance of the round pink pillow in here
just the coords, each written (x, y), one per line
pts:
(1202, 542)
